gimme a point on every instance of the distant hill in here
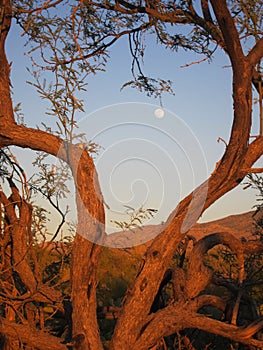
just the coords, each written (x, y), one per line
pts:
(241, 225)
(118, 268)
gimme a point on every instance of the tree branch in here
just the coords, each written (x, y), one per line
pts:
(6, 108)
(229, 32)
(38, 140)
(253, 170)
(253, 153)
(47, 5)
(175, 16)
(34, 338)
(206, 11)
(256, 53)
(90, 223)
(100, 49)
(212, 300)
(178, 317)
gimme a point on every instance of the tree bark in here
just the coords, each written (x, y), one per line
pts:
(86, 252)
(90, 230)
(90, 207)
(130, 328)
(31, 337)
(6, 108)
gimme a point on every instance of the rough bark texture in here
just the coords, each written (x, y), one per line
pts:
(35, 338)
(130, 328)
(6, 108)
(90, 224)
(90, 207)
(86, 254)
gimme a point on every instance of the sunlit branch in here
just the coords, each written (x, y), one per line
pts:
(256, 53)
(226, 22)
(46, 5)
(253, 170)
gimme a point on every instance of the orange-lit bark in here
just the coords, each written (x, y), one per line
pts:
(85, 253)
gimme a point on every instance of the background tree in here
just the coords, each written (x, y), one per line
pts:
(74, 43)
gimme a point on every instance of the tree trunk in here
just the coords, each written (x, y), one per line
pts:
(86, 251)
(90, 207)
(6, 108)
(131, 327)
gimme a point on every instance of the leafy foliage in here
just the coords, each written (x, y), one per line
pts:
(248, 16)
(136, 218)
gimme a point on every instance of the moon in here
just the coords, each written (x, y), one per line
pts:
(159, 113)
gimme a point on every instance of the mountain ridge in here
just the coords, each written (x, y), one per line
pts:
(240, 225)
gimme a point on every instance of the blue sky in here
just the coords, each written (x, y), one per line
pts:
(137, 161)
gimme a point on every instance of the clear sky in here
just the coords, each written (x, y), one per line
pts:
(146, 160)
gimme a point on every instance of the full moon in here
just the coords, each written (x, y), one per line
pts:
(159, 113)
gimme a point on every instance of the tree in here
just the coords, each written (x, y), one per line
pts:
(30, 271)
(74, 44)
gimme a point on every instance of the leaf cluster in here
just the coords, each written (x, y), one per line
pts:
(248, 16)
(136, 218)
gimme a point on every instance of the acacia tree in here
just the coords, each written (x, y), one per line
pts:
(73, 42)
